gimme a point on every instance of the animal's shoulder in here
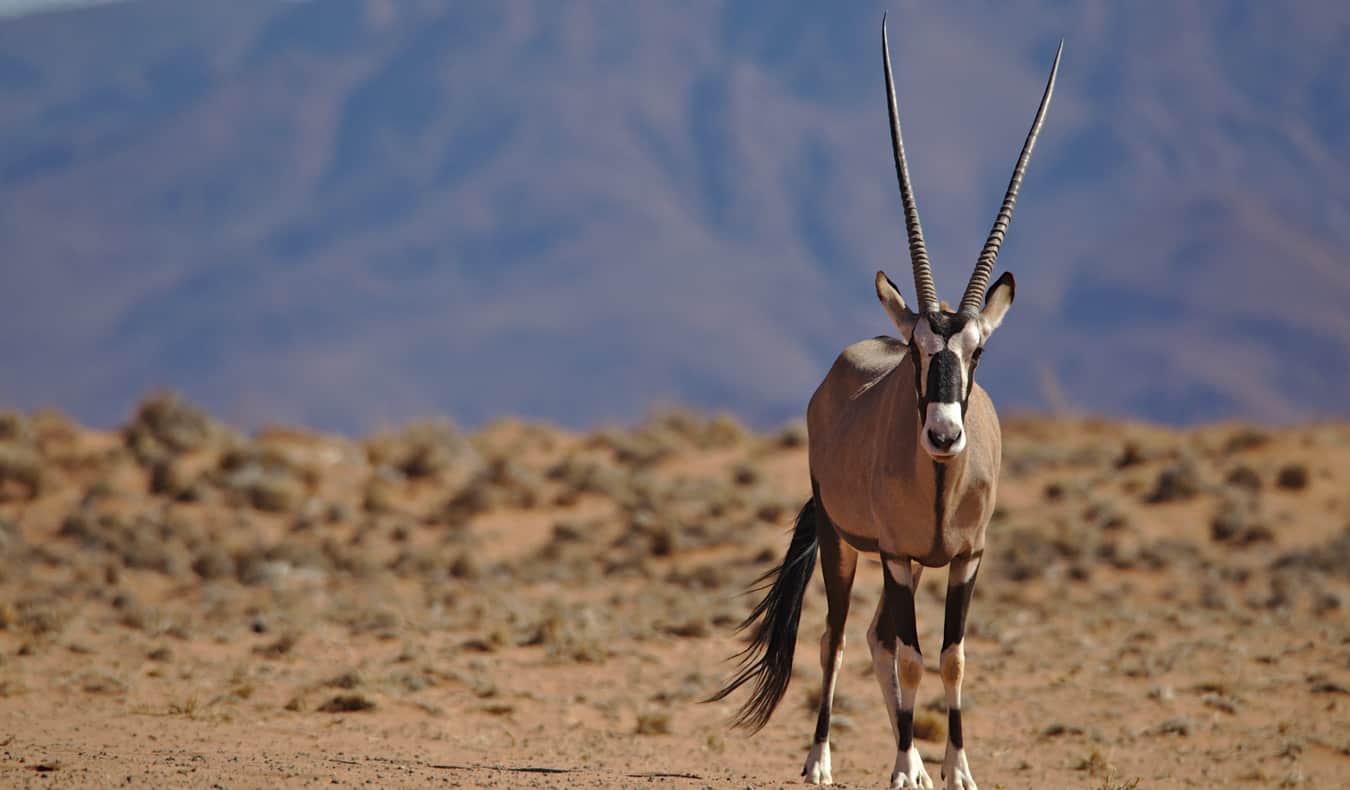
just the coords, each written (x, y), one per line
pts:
(873, 357)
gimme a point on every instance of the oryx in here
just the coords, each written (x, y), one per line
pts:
(904, 456)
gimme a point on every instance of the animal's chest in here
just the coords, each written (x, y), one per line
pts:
(930, 521)
(897, 510)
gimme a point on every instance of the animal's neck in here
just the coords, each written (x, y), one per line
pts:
(946, 476)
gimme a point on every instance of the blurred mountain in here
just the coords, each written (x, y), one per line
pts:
(349, 212)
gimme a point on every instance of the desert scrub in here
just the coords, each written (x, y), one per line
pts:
(16, 427)
(166, 424)
(502, 484)
(261, 478)
(144, 540)
(423, 450)
(579, 476)
(570, 633)
(22, 473)
(1177, 482)
(346, 703)
(653, 722)
(1293, 477)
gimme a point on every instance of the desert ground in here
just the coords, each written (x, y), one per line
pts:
(185, 605)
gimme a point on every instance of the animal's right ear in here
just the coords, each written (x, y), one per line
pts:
(894, 303)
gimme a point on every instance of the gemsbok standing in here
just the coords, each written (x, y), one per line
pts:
(904, 455)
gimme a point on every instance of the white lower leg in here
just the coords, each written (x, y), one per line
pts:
(955, 769)
(817, 767)
(906, 670)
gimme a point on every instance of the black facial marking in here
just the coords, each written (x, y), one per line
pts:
(944, 377)
(905, 736)
(945, 325)
(954, 728)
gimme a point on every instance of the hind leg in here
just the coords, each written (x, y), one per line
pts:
(898, 665)
(838, 561)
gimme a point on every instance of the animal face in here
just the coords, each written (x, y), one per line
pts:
(945, 348)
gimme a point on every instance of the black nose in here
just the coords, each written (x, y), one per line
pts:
(943, 442)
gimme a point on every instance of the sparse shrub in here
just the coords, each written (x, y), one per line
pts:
(1236, 522)
(423, 449)
(1131, 454)
(168, 477)
(15, 427)
(1245, 439)
(570, 633)
(790, 436)
(21, 471)
(347, 703)
(1105, 515)
(1179, 725)
(745, 474)
(929, 726)
(1177, 482)
(466, 566)
(1331, 557)
(1245, 478)
(653, 722)
(165, 423)
(380, 496)
(347, 680)
(276, 493)
(213, 562)
(261, 478)
(503, 484)
(722, 432)
(1025, 554)
(1293, 477)
(283, 645)
(270, 564)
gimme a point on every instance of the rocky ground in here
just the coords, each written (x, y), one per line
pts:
(184, 605)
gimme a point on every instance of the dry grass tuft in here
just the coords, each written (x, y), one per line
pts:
(166, 424)
(929, 726)
(653, 722)
(1293, 477)
(347, 703)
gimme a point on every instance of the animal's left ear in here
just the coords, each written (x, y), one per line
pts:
(894, 303)
(996, 303)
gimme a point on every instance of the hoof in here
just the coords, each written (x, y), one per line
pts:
(816, 771)
(909, 772)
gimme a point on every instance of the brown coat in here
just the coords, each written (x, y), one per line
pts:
(873, 478)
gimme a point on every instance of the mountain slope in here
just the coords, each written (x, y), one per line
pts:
(352, 211)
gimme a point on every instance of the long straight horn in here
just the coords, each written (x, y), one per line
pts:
(918, 251)
(974, 295)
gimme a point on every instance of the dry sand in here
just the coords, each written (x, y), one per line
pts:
(184, 606)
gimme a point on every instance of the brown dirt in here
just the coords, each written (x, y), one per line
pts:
(182, 605)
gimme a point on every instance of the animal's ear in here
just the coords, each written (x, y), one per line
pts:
(996, 303)
(894, 303)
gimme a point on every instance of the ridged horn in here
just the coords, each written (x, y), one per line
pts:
(924, 289)
(984, 266)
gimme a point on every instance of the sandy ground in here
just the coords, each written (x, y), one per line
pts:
(182, 606)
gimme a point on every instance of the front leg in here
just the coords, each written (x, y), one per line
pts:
(895, 646)
(960, 585)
